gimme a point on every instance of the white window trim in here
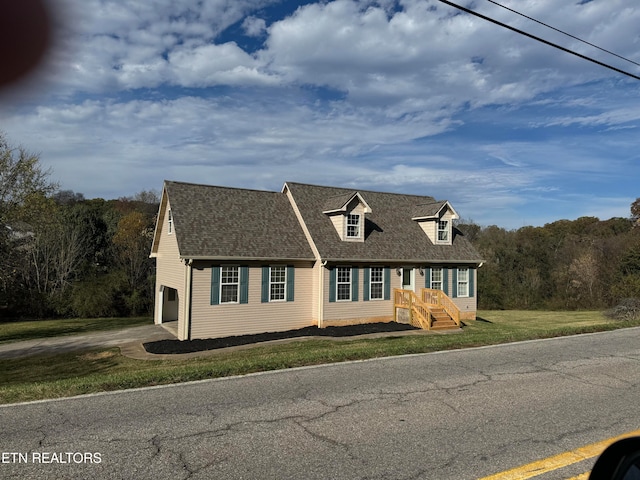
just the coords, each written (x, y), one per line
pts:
(169, 222)
(338, 283)
(371, 284)
(359, 225)
(447, 230)
(431, 281)
(466, 283)
(284, 299)
(235, 283)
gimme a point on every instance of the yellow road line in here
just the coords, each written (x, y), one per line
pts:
(583, 476)
(558, 461)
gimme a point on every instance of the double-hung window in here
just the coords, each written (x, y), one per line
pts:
(436, 278)
(376, 284)
(229, 284)
(169, 222)
(463, 282)
(353, 226)
(343, 283)
(277, 284)
(443, 231)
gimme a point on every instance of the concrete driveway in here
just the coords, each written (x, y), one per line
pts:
(127, 336)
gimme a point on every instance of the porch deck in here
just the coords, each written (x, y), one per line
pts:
(431, 310)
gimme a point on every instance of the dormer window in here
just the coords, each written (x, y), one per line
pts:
(347, 213)
(443, 231)
(435, 219)
(353, 226)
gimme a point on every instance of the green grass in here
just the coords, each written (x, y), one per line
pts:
(18, 331)
(76, 373)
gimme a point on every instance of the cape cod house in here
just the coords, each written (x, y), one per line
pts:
(233, 261)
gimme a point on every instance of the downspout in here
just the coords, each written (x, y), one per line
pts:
(186, 329)
(158, 312)
(321, 294)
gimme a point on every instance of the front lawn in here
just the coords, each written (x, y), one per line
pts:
(77, 373)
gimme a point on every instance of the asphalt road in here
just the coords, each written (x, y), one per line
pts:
(452, 415)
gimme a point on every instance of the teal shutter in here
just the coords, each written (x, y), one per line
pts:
(367, 280)
(427, 277)
(215, 285)
(472, 274)
(332, 284)
(244, 284)
(454, 290)
(264, 296)
(290, 282)
(445, 280)
(354, 284)
(387, 283)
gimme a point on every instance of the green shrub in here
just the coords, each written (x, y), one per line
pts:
(97, 297)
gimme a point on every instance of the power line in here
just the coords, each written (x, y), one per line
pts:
(564, 33)
(547, 42)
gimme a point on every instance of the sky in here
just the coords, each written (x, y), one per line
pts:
(409, 96)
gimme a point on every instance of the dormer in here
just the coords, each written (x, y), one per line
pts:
(436, 220)
(346, 212)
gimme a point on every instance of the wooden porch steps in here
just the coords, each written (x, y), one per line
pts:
(431, 310)
(442, 320)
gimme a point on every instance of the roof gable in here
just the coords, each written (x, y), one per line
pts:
(233, 223)
(340, 203)
(432, 210)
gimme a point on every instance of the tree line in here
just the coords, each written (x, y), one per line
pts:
(64, 255)
(567, 264)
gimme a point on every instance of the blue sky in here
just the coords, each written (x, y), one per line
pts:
(409, 96)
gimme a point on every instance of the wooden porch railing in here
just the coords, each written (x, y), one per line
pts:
(419, 314)
(438, 298)
(419, 308)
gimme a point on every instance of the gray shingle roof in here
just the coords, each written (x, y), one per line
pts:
(221, 222)
(427, 209)
(390, 234)
(338, 201)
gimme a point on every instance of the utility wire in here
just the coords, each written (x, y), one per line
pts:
(521, 32)
(564, 33)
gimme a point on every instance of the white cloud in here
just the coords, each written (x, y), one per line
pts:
(339, 93)
(612, 117)
(253, 26)
(110, 46)
(421, 52)
(209, 65)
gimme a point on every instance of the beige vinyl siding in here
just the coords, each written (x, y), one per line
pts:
(170, 270)
(365, 311)
(430, 227)
(214, 321)
(339, 220)
(338, 223)
(467, 305)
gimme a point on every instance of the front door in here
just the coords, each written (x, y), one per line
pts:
(408, 279)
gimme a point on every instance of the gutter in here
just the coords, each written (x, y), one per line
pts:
(192, 258)
(402, 260)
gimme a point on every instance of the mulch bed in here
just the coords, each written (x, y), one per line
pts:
(189, 346)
